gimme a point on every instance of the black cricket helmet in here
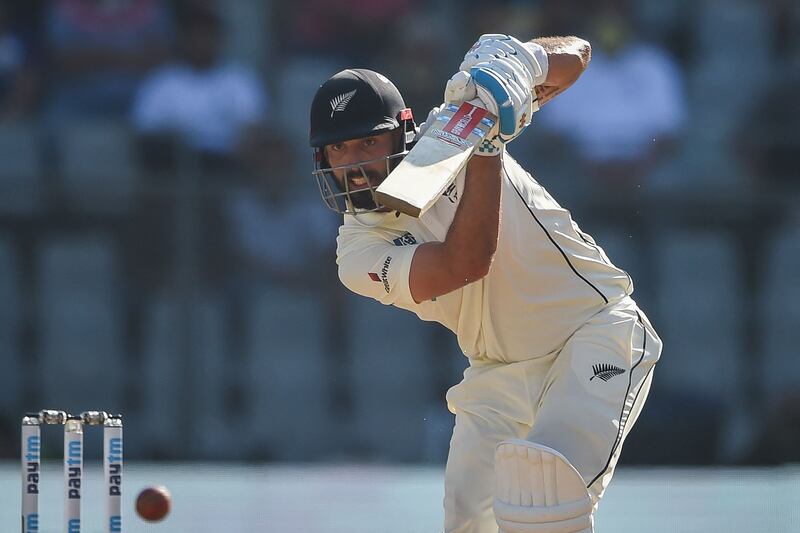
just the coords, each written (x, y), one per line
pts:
(351, 104)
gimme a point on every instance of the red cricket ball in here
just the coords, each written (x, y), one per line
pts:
(153, 503)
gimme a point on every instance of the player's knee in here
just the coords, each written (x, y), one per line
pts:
(538, 490)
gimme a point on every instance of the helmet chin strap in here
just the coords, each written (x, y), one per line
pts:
(410, 135)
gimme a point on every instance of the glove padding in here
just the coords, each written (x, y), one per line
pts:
(501, 71)
(496, 45)
(502, 84)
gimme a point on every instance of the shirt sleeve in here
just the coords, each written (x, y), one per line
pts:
(373, 267)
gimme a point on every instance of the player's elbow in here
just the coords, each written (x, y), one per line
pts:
(477, 264)
(479, 271)
(583, 52)
(568, 63)
(577, 55)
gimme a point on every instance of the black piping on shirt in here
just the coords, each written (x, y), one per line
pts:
(563, 254)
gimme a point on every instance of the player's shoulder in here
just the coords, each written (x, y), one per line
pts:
(368, 230)
(363, 222)
(364, 227)
(374, 259)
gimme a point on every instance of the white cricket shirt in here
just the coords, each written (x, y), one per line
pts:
(547, 278)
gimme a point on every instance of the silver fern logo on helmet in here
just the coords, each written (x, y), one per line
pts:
(340, 102)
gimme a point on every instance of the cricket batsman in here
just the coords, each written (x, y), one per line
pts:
(560, 356)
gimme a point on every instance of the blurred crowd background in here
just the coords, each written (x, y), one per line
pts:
(164, 252)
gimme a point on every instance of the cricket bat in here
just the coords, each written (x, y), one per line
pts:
(436, 159)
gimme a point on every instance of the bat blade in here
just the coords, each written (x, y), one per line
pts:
(436, 159)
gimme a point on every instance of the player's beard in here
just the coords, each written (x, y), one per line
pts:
(364, 199)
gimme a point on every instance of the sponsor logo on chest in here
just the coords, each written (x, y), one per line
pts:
(405, 240)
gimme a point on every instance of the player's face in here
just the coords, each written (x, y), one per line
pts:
(362, 164)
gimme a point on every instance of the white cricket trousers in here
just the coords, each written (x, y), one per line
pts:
(580, 400)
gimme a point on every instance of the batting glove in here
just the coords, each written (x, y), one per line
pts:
(494, 45)
(501, 86)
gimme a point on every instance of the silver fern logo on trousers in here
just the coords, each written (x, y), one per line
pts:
(606, 371)
(340, 102)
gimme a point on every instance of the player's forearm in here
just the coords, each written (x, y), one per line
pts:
(567, 57)
(569, 47)
(472, 239)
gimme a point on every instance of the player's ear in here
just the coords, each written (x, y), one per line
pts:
(324, 155)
